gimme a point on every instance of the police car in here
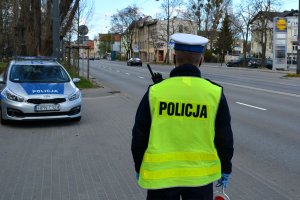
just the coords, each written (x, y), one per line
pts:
(35, 88)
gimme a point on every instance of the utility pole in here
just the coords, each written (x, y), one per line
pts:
(298, 51)
(56, 28)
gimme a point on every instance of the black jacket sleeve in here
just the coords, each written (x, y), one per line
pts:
(223, 135)
(141, 132)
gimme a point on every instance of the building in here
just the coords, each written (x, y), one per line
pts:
(107, 44)
(87, 49)
(292, 34)
(96, 47)
(149, 41)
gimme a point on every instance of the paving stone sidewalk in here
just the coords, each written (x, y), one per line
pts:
(89, 160)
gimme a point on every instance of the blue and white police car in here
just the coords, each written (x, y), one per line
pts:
(35, 88)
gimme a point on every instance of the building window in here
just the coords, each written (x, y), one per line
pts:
(295, 48)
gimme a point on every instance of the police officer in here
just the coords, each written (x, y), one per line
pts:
(182, 139)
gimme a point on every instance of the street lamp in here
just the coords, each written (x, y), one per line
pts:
(168, 30)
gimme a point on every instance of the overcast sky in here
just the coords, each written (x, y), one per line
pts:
(103, 9)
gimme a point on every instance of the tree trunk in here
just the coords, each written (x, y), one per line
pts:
(23, 22)
(1, 28)
(245, 45)
(67, 25)
(264, 47)
(46, 45)
(37, 26)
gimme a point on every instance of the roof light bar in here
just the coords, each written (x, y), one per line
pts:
(35, 58)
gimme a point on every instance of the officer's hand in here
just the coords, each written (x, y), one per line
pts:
(137, 176)
(224, 180)
(157, 77)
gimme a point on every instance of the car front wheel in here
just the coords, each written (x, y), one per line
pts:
(3, 121)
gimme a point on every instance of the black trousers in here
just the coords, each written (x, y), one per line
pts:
(186, 193)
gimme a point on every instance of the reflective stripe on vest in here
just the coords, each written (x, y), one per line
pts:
(181, 149)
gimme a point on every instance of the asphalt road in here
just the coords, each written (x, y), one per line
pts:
(265, 118)
(91, 160)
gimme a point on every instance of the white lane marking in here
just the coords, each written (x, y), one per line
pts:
(260, 89)
(251, 106)
(288, 84)
(127, 73)
(118, 71)
(141, 77)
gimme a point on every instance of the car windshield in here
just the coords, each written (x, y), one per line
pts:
(38, 73)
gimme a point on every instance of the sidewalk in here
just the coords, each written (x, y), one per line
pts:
(86, 160)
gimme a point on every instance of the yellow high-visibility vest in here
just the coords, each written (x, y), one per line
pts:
(181, 150)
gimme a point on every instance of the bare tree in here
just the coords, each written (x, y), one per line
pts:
(242, 23)
(6, 26)
(125, 22)
(261, 23)
(171, 10)
(68, 10)
(154, 39)
(214, 13)
(195, 12)
(26, 25)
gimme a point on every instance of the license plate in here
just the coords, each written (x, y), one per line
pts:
(47, 107)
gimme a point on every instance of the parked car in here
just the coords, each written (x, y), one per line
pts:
(269, 64)
(134, 61)
(237, 63)
(255, 63)
(38, 89)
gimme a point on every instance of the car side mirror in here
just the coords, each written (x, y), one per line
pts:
(76, 80)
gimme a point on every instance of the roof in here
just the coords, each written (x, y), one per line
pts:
(271, 15)
(90, 44)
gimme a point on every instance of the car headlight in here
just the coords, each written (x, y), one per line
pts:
(75, 96)
(13, 97)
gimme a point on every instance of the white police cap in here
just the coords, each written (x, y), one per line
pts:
(189, 42)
